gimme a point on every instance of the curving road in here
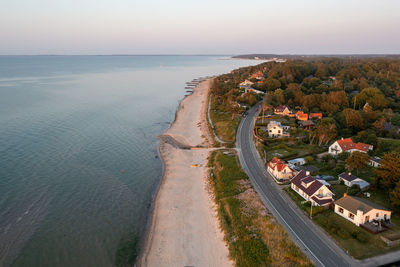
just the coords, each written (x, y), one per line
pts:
(311, 239)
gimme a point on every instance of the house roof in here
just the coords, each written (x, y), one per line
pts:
(313, 186)
(307, 123)
(316, 115)
(277, 164)
(353, 204)
(347, 144)
(347, 176)
(281, 108)
(323, 201)
(293, 161)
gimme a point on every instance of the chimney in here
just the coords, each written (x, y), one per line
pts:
(307, 173)
(342, 138)
(345, 194)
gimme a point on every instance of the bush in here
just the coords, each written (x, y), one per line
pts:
(343, 156)
(309, 159)
(360, 236)
(327, 158)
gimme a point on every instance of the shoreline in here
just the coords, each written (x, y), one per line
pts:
(170, 242)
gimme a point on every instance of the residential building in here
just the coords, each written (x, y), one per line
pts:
(350, 180)
(246, 84)
(280, 170)
(301, 116)
(276, 129)
(316, 116)
(307, 125)
(311, 189)
(282, 110)
(360, 211)
(258, 75)
(375, 162)
(348, 145)
(246, 90)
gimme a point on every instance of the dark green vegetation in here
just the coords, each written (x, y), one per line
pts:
(253, 236)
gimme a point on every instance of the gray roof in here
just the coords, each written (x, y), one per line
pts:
(353, 204)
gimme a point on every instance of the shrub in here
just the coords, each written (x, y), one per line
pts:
(343, 156)
(327, 158)
(342, 233)
(309, 159)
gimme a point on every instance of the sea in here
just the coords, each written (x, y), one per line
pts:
(79, 163)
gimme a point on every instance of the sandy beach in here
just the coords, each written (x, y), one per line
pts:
(184, 228)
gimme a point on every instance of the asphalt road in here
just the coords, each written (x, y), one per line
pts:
(312, 240)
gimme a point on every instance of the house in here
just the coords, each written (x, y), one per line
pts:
(316, 116)
(297, 162)
(282, 110)
(301, 116)
(360, 211)
(375, 162)
(246, 84)
(307, 125)
(350, 180)
(348, 145)
(258, 75)
(311, 189)
(246, 90)
(280, 170)
(276, 129)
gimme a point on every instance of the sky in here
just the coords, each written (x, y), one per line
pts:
(199, 27)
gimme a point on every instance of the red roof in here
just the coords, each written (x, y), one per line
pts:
(347, 144)
(277, 163)
(258, 74)
(316, 115)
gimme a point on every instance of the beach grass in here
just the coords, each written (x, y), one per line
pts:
(253, 235)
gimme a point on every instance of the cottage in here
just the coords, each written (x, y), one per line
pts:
(246, 84)
(301, 116)
(311, 189)
(307, 125)
(350, 180)
(375, 162)
(276, 129)
(348, 145)
(280, 170)
(258, 75)
(316, 116)
(360, 211)
(282, 110)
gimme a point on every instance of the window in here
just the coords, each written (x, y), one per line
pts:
(377, 215)
(366, 218)
(351, 216)
(340, 210)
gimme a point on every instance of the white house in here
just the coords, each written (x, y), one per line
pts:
(276, 129)
(247, 89)
(280, 170)
(311, 189)
(360, 211)
(375, 162)
(348, 145)
(350, 180)
(246, 84)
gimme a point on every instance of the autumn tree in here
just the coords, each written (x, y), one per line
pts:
(388, 174)
(324, 132)
(279, 96)
(353, 118)
(357, 160)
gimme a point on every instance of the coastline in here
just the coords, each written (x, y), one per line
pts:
(172, 239)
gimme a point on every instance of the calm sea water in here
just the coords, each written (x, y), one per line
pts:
(78, 151)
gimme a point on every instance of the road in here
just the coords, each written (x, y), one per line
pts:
(312, 240)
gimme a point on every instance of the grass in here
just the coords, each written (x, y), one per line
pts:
(356, 241)
(225, 124)
(254, 237)
(286, 152)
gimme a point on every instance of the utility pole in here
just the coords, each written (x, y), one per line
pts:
(311, 210)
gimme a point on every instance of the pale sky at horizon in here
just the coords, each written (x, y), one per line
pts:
(199, 27)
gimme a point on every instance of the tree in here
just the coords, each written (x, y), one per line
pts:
(388, 173)
(279, 96)
(353, 118)
(357, 160)
(272, 84)
(373, 96)
(324, 132)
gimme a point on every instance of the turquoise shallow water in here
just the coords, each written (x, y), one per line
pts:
(78, 150)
